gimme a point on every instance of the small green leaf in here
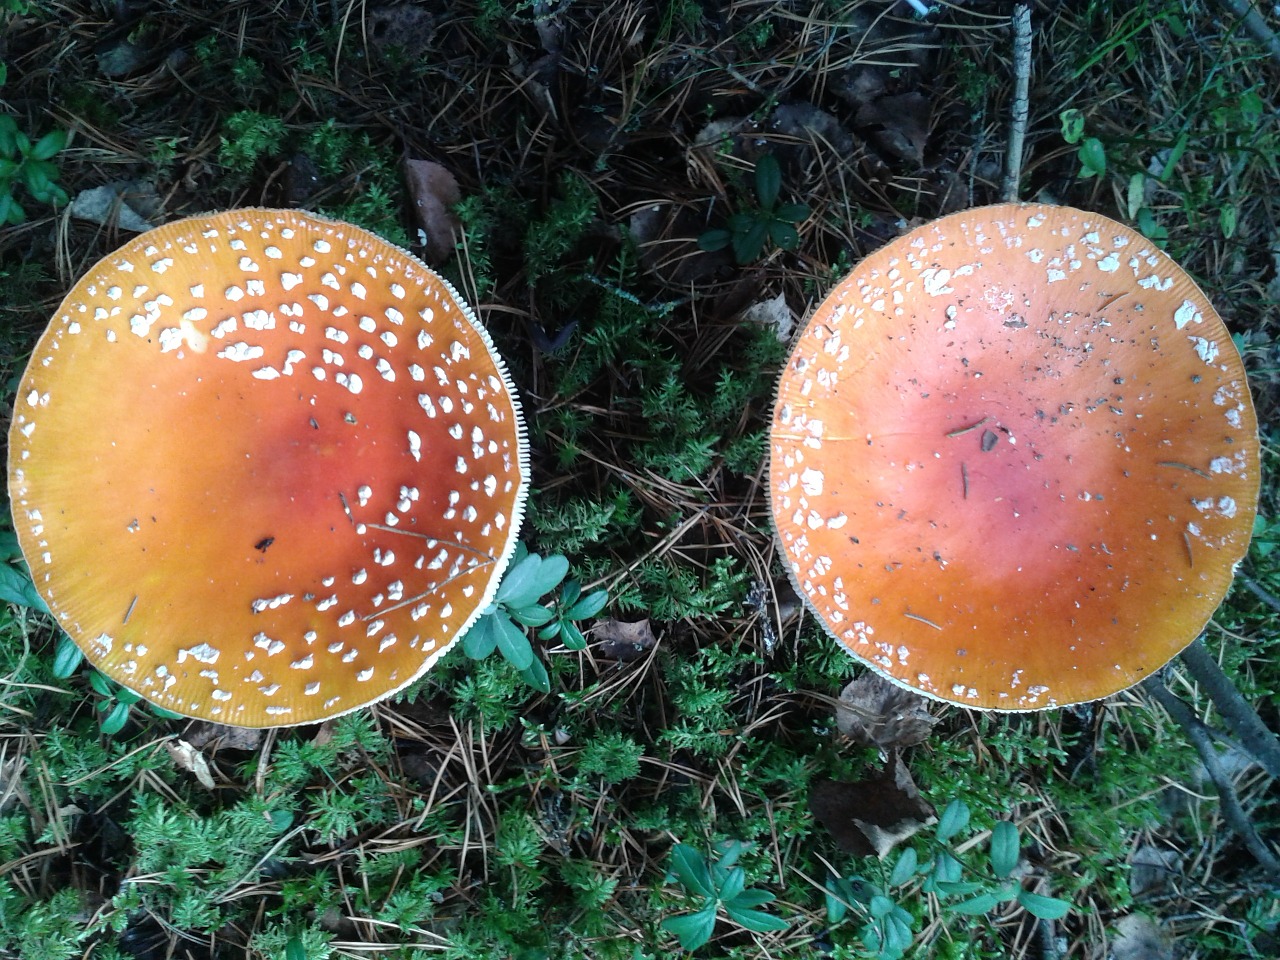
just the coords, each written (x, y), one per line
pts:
(755, 920)
(8, 135)
(572, 637)
(534, 615)
(49, 144)
(1004, 848)
(281, 820)
(730, 851)
(881, 906)
(794, 212)
(294, 949)
(162, 713)
(11, 211)
(768, 180)
(67, 657)
(125, 695)
(1227, 218)
(16, 587)
(1136, 195)
(550, 631)
(1175, 155)
(714, 240)
(983, 903)
(784, 235)
(518, 582)
(946, 869)
(904, 869)
(1043, 908)
(535, 675)
(838, 899)
(734, 883)
(954, 819)
(693, 929)
(100, 682)
(954, 888)
(1072, 125)
(481, 640)
(512, 642)
(115, 719)
(1093, 157)
(588, 606)
(753, 898)
(898, 931)
(748, 244)
(550, 573)
(690, 868)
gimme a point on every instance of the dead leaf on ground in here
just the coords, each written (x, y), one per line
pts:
(624, 641)
(435, 192)
(878, 712)
(125, 204)
(188, 758)
(870, 817)
(202, 733)
(899, 124)
(803, 121)
(401, 26)
(774, 314)
(1139, 938)
(1152, 870)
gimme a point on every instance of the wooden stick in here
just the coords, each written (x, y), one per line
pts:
(1021, 100)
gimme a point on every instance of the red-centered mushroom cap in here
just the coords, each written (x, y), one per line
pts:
(266, 467)
(1014, 460)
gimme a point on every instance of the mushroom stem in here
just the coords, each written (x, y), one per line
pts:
(1200, 736)
(1254, 736)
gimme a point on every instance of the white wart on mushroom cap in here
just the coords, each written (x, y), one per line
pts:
(1014, 460)
(265, 467)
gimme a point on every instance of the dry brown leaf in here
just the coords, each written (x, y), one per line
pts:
(1153, 870)
(803, 121)
(870, 817)
(624, 641)
(202, 733)
(774, 314)
(1138, 938)
(900, 124)
(435, 192)
(401, 26)
(188, 758)
(879, 713)
(125, 204)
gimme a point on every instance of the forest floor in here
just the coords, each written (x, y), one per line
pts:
(592, 145)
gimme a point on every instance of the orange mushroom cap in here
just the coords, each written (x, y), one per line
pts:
(266, 467)
(1014, 461)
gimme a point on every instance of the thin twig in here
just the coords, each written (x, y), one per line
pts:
(1261, 592)
(1232, 812)
(1021, 100)
(1252, 21)
(1254, 736)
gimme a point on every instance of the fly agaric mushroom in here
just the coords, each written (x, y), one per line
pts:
(266, 467)
(1014, 459)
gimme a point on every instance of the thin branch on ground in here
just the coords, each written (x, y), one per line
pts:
(1232, 812)
(1243, 721)
(1021, 100)
(1255, 24)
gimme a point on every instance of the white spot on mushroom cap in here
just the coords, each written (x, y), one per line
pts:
(241, 351)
